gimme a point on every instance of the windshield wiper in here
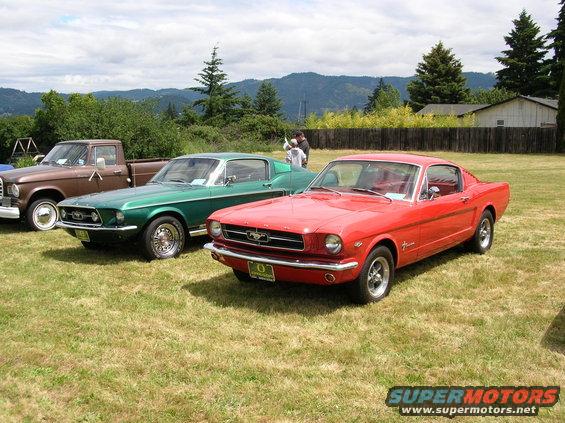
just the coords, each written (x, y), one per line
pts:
(326, 188)
(372, 192)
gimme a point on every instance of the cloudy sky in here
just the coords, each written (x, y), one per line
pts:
(83, 46)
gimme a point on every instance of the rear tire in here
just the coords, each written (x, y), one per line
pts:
(375, 279)
(42, 214)
(242, 276)
(484, 234)
(163, 238)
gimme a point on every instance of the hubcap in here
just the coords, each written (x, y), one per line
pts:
(45, 216)
(165, 240)
(378, 277)
(485, 231)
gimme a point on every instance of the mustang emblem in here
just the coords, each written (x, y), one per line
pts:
(76, 215)
(257, 236)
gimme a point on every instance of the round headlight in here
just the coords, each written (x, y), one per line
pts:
(94, 216)
(215, 228)
(333, 244)
(120, 217)
(15, 190)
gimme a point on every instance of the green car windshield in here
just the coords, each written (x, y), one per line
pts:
(191, 170)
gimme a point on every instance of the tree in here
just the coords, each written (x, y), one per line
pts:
(523, 63)
(267, 101)
(170, 112)
(560, 147)
(438, 79)
(188, 116)
(492, 96)
(383, 97)
(219, 100)
(557, 43)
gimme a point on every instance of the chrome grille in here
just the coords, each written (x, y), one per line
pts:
(264, 237)
(80, 215)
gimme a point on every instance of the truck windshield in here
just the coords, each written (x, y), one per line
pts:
(193, 171)
(395, 181)
(66, 155)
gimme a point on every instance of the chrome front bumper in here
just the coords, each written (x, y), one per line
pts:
(336, 267)
(9, 213)
(64, 225)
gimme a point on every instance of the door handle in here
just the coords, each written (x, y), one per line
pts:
(267, 184)
(117, 172)
(464, 199)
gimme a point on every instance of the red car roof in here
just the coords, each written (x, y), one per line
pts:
(397, 157)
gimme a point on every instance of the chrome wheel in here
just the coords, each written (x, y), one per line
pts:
(165, 240)
(44, 216)
(485, 233)
(378, 277)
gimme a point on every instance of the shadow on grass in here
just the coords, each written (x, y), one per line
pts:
(111, 254)
(554, 337)
(288, 297)
(11, 226)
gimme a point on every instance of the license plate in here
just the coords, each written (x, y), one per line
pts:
(6, 202)
(261, 271)
(82, 235)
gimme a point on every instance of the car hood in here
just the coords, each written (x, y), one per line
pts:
(144, 196)
(306, 213)
(36, 174)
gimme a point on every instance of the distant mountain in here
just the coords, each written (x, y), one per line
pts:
(297, 90)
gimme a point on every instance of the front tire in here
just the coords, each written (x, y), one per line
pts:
(163, 238)
(42, 214)
(375, 279)
(484, 234)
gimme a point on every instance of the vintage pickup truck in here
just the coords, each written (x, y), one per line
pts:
(70, 169)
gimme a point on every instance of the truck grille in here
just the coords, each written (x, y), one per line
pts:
(80, 215)
(263, 237)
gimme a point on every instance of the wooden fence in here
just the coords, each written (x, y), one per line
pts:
(469, 140)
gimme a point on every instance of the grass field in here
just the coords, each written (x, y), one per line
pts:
(89, 336)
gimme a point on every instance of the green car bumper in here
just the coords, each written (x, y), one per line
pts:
(99, 233)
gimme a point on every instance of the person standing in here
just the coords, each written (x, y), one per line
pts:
(294, 155)
(303, 145)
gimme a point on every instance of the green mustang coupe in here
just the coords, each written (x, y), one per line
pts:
(176, 202)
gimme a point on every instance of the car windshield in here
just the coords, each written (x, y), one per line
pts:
(395, 181)
(192, 171)
(66, 155)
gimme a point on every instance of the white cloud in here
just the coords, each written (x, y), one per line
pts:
(85, 46)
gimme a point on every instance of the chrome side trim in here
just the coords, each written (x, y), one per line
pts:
(64, 225)
(198, 232)
(9, 213)
(336, 267)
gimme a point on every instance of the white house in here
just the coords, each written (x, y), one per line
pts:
(520, 111)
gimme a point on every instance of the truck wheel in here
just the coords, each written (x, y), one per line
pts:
(484, 234)
(163, 238)
(42, 214)
(375, 279)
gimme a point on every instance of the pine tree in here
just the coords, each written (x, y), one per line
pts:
(560, 147)
(524, 71)
(219, 100)
(492, 96)
(557, 43)
(383, 97)
(267, 101)
(438, 79)
(171, 112)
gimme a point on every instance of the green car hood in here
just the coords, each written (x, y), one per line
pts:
(144, 196)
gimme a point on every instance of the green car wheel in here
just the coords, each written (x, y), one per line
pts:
(163, 238)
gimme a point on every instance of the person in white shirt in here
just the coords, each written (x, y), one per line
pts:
(294, 155)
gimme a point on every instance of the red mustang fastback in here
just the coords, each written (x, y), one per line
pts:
(360, 219)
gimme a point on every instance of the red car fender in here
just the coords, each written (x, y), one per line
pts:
(371, 245)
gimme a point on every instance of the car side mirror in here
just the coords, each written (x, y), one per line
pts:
(230, 180)
(101, 163)
(433, 192)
